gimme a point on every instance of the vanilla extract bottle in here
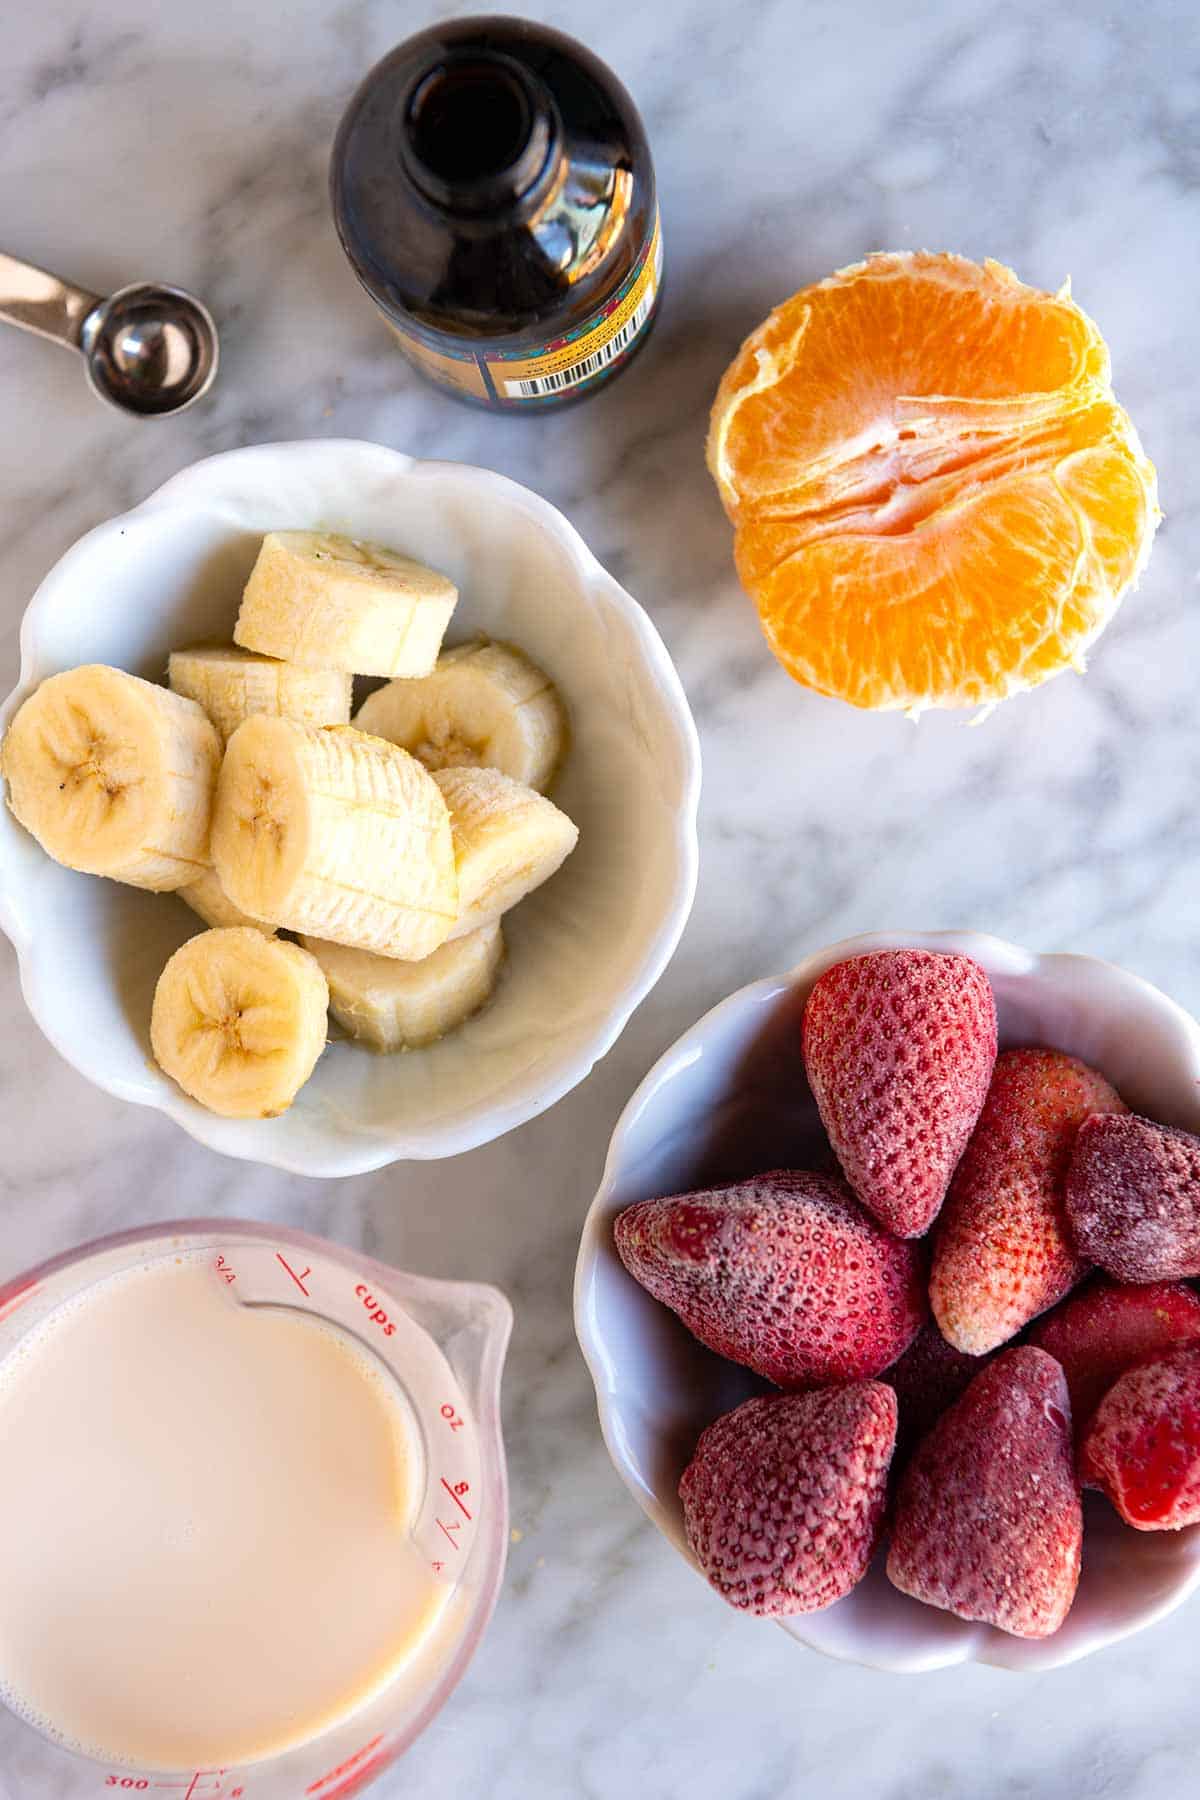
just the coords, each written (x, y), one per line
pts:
(493, 190)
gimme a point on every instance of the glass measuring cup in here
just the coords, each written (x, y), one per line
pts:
(444, 1344)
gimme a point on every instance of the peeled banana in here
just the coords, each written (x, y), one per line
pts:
(395, 1005)
(239, 1021)
(329, 602)
(231, 684)
(484, 706)
(507, 841)
(208, 898)
(114, 776)
(338, 834)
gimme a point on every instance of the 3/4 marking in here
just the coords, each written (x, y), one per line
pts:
(459, 1488)
(298, 1279)
(223, 1269)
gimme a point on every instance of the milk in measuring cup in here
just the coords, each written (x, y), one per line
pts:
(205, 1515)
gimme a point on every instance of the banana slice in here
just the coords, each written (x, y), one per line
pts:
(332, 603)
(231, 684)
(208, 898)
(239, 1021)
(395, 1005)
(335, 833)
(485, 706)
(114, 776)
(507, 841)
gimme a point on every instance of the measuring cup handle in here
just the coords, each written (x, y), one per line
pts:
(37, 301)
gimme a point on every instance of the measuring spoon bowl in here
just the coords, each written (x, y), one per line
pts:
(149, 350)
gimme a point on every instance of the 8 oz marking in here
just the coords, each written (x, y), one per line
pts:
(459, 1488)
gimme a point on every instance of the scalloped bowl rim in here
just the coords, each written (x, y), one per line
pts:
(998, 956)
(486, 1124)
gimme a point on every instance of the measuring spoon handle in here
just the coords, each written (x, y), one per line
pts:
(35, 300)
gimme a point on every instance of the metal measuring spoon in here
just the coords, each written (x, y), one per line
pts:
(149, 350)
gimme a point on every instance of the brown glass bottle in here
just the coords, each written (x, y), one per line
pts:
(493, 190)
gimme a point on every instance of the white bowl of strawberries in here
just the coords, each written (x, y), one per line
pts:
(886, 1297)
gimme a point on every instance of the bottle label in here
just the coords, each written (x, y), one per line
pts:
(524, 377)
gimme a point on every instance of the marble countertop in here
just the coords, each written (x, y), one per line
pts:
(189, 143)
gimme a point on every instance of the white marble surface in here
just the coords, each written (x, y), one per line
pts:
(1059, 135)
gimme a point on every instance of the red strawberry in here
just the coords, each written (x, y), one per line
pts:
(898, 1048)
(929, 1377)
(783, 1500)
(785, 1273)
(988, 1522)
(1133, 1198)
(1003, 1253)
(1104, 1329)
(1143, 1446)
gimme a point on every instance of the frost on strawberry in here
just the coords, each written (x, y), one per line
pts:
(1003, 1252)
(1104, 1328)
(783, 1501)
(785, 1273)
(988, 1523)
(1133, 1198)
(899, 1047)
(1143, 1445)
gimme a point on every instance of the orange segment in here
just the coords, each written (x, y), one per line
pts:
(937, 500)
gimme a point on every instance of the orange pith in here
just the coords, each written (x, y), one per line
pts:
(937, 501)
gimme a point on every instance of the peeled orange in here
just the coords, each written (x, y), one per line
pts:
(937, 500)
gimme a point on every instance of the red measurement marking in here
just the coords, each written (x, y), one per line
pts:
(359, 1778)
(452, 1418)
(454, 1493)
(298, 1279)
(17, 1300)
(345, 1767)
(192, 1788)
(446, 1530)
(223, 1269)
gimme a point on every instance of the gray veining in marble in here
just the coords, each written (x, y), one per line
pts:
(189, 143)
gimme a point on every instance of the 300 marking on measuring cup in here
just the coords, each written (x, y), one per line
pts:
(192, 1789)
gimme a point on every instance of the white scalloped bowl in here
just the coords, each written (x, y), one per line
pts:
(584, 950)
(730, 1099)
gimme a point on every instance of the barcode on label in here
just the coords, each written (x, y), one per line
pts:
(590, 365)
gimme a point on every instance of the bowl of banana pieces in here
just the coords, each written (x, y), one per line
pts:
(351, 806)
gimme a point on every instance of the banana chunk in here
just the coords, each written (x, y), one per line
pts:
(507, 841)
(395, 1005)
(239, 1021)
(484, 706)
(114, 776)
(231, 684)
(334, 833)
(329, 602)
(208, 898)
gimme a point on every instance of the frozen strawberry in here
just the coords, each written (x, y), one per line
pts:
(1003, 1253)
(1143, 1445)
(898, 1048)
(785, 1273)
(783, 1500)
(1103, 1329)
(929, 1378)
(1133, 1198)
(988, 1522)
